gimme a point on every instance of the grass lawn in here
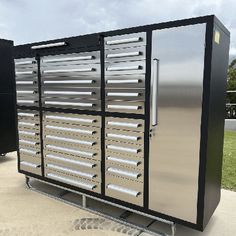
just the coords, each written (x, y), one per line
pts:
(229, 161)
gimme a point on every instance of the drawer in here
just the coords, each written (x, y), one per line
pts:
(80, 104)
(125, 54)
(72, 170)
(124, 172)
(28, 125)
(136, 138)
(125, 124)
(29, 150)
(125, 40)
(77, 151)
(124, 189)
(30, 167)
(71, 92)
(28, 115)
(73, 180)
(124, 148)
(72, 119)
(31, 144)
(27, 93)
(125, 107)
(132, 94)
(25, 63)
(128, 67)
(31, 159)
(71, 59)
(73, 161)
(125, 81)
(132, 162)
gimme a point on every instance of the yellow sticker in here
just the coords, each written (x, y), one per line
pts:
(217, 36)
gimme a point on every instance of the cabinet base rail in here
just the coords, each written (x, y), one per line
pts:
(121, 219)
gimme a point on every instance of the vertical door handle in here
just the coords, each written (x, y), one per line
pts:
(154, 92)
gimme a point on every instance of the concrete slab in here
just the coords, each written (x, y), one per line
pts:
(23, 212)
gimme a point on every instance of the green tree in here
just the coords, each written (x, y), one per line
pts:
(231, 86)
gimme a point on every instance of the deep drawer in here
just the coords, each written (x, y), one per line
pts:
(73, 180)
(30, 167)
(125, 124)
(124, 189)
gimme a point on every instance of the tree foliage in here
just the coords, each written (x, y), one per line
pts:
(231, 86)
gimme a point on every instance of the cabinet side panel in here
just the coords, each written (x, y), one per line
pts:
(220, 56)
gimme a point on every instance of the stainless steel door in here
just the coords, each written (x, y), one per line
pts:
(175, 140)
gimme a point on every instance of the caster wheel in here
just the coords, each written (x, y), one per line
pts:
(2, 154)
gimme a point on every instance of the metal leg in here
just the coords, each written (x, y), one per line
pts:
(84, 201)
(173, 229)
(27, 181)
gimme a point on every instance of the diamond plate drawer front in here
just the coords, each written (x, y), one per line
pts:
(70, 179)
(124, 189)
(27, 82)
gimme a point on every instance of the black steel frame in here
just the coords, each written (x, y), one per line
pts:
(86, 43)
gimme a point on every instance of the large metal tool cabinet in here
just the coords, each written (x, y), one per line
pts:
(133, 117)
(7, 98)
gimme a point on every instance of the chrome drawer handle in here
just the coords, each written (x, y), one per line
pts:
(28, 133)
(28, 142)
(123, 172)
(85, 81)
(68, 93)
(123, 124)
(81, 163)
(69, 59)
(123, 190)
(125, 54)
(49, 45)
(80, 104)
(55, 167)
(27, 124)
(71, 119)
(27, 114)
(25, 72)
(118, 148)
(123, 94)
(123, 107)
(29, 164)
(71, 181)
(124, 161)
(127, 137)
(82, 153)
(18, 63)
(26, 101)
(28, 151)
(121, 41)
(70, 140)
(82, 131)
(119, 68)
(25, 92)
(128, 81)
(25, 82)
(68, 70)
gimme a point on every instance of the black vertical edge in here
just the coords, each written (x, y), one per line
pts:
(103, 158)
(204, 120)
(40, 113)
(147, 117)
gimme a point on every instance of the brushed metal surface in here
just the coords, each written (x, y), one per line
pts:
(175, 141)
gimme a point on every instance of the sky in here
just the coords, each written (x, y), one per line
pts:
(26, 21)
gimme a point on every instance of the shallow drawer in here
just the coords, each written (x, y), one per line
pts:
(132, 162)
(125, 40)
(124, 189)
(80, 104)
(124, 148)
(28, 125)
(125, 107)
(136, 138)
(26, 115)
(77, 151)
(25, 63)
(71, 59)
(125, 81)
(71, 92)
(125, 54)
(125, 94)
(125, 124)
(29, 144)
(131, 67)
(73, 119)
(73, 161)
(73, 180)
(31, 159)
(30, 167)
(30, 151)
(124, 172)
